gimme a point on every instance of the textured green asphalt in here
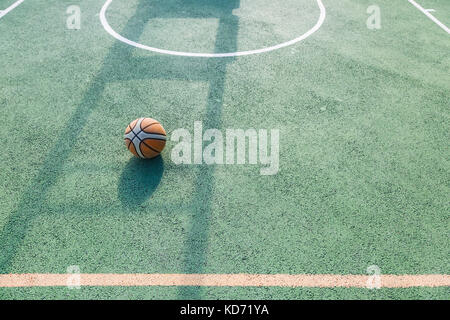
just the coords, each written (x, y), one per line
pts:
(364, 160)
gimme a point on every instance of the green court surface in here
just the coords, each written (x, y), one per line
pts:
(364, 145)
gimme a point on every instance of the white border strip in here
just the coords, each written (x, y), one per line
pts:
(210, 55)
(224, 280)
(10, 8)
(429, 15)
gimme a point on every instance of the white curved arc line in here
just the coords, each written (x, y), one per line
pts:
(110, 30)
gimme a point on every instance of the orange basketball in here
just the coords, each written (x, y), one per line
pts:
(145, 138)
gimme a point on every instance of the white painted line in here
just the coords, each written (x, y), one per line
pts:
(211, 55)
(10, 8)
(429, 15)
(224, 280)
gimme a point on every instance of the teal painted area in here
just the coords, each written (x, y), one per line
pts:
(363, 119)
(171, 293)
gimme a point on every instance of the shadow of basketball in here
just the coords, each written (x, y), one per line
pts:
(139, 180)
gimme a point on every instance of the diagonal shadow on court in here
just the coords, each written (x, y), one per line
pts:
(120, 65)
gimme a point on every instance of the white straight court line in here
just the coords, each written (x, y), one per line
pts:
(224, 280)
(429, 15)
(10, 8)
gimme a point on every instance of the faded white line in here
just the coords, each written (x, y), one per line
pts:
(429, 15)
(10, 8)
(210, 55)
(225, 280)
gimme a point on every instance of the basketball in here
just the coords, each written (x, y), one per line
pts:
(145, 138)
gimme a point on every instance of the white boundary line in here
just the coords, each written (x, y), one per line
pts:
(210, 55)
(224, 280)
(429, 15)
(10, 8)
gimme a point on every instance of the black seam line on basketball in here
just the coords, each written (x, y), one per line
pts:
(152, 138)
(151, 124)
(150, 147)
(150, 133)
(135, 136)
(129, 143)
(142, 141)
(134, 125)
(160, 134)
